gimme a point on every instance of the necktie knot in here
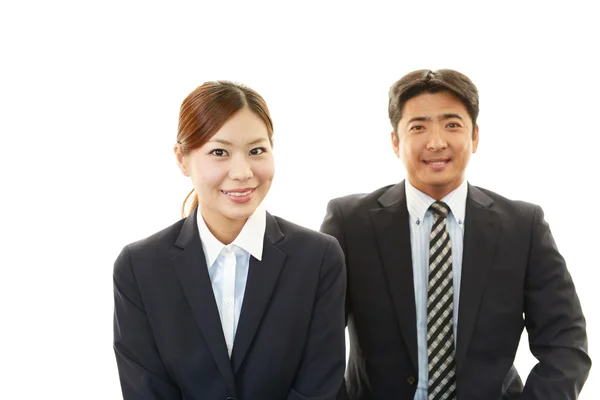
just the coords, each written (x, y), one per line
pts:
(440, 209)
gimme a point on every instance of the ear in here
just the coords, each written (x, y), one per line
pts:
(181, 160)
(475, 138)
(395, 144)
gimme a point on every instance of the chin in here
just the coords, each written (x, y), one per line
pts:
(240, 213)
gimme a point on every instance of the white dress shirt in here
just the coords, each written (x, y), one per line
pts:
(228, 267)
(420, 221)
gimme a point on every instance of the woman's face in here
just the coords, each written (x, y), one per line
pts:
(233, 171)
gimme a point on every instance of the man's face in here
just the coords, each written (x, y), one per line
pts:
(435, 139)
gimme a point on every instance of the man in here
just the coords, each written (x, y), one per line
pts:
(443, 276)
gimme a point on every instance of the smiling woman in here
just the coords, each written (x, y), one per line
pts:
(226, 153)
(230, 301)
(207, 109)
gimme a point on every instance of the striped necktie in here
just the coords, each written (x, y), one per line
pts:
(440, 334)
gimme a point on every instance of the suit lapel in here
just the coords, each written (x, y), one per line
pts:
(393, 237)
(262, 279)
(192, 272)
(482, 227)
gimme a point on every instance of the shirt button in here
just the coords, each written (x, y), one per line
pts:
(411, 380)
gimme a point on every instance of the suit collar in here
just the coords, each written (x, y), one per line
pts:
(189, 230)
(478, 197)
(262, 280)
(482, 231)
(250, 238)
(273, 233)
(394, 196)
(189, 263)
(392, 232)
(190, 266)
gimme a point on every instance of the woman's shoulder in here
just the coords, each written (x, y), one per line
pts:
(298, 233)
(306, 243)
(160, 240)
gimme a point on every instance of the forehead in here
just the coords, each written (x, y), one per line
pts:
(432, 105)
(243, 126)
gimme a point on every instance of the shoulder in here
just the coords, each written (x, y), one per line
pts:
(153, 247)
(297, 233)
(357, 202)
(307, 242)
(503, 205)
(159, 240)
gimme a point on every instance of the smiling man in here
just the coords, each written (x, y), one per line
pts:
(444, 276)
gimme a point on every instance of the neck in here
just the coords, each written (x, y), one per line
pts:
(438, 192)
(223, 228)
(226, 233)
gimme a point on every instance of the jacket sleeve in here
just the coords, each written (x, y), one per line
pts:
(321, 371)
(141, 371)
(554, 321)
(333, 225)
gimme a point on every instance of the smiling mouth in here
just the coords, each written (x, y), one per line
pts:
(437, 163)
(237, 193)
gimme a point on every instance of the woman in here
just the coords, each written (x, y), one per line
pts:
(230, 302)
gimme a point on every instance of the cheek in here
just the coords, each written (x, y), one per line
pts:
(206, 175)
(411, 151)
(265, 170)
(466, 148)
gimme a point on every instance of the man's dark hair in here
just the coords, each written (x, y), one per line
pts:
(426, 81)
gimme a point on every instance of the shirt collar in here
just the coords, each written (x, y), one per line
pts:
(418, 202)
(250, 239)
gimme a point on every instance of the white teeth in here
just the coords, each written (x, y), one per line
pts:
(437, 162)
(238, 194)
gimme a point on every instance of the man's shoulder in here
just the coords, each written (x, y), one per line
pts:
(502, 204)
(359, 201)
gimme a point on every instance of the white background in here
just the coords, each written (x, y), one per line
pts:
(89, 100)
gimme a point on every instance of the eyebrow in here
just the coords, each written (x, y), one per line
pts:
(440, 118)
(227, 142)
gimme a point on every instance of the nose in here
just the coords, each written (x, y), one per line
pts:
(436, 140)
(240, 168)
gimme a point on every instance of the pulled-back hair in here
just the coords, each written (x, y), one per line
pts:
(207, 109)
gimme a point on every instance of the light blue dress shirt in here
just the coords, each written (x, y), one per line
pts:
(421, 220)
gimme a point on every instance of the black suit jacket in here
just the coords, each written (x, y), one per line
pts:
(512, 277)
(289, 344)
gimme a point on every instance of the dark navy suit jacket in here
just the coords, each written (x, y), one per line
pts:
(289, 344)
(513, 277)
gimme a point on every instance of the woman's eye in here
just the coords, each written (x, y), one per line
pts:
(257, 151)
(219, 152)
